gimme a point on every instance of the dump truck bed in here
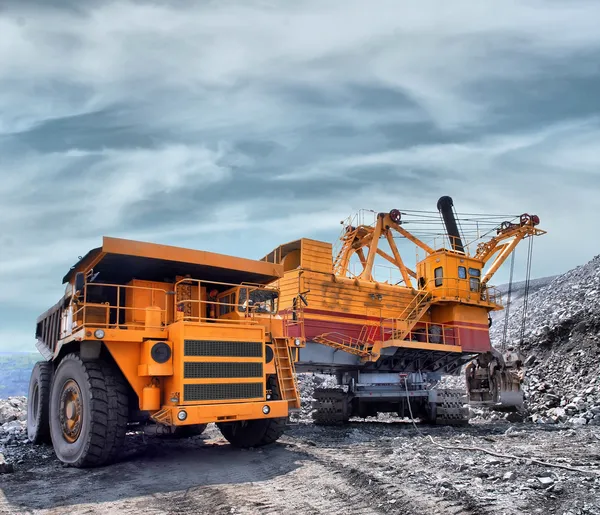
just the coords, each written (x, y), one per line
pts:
(118, 260)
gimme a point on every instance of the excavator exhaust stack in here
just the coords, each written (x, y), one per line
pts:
(445, 207)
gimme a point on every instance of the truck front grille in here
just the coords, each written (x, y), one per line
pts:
(221, 392)
(223, 349)
(211, 370)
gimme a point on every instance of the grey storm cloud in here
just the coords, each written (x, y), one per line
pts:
(236, 126)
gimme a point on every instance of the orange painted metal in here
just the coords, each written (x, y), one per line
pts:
(190, 256)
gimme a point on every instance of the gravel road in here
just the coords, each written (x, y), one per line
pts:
(366, 467)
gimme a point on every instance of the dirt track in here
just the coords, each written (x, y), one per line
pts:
(364, 468)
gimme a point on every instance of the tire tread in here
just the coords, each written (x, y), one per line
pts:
(108, 412)
(41, 432)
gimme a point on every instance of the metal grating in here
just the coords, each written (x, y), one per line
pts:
(223, 349)
(215, 370)
(221, 392)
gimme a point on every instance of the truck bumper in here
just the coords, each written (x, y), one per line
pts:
(207, 413)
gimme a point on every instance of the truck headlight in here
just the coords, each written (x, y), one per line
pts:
(99, 333)
(266, 410)
(182, 415)
(160, 352)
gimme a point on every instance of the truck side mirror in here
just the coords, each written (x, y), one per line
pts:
(79, 281)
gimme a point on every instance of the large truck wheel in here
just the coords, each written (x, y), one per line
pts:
(88, 412)
(255, 433)
(38, 403)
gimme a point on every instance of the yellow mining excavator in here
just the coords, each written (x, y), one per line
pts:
(390, 341)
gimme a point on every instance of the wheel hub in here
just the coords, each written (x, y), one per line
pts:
(71, 411)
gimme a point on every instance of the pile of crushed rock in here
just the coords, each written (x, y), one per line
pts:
(13, 420)
(561, 343)
(13, 428)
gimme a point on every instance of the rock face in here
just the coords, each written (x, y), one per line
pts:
(562, 342)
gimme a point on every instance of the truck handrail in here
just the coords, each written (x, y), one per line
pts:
(85, 305)
(249, 313)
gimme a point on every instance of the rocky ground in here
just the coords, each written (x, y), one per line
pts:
(384, 465)
(548, 463)
(366, 467)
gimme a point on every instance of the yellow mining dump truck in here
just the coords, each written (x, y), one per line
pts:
(161, 335)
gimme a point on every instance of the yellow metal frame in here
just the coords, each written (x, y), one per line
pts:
(224, 412)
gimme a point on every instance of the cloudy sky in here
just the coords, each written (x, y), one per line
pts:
(234, 126)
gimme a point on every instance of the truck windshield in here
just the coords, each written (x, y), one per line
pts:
(258, 301)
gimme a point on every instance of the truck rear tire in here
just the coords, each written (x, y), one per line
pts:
(255, 433)
(88, 412)
(38, 403)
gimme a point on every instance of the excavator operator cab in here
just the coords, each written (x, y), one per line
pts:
(447, 273)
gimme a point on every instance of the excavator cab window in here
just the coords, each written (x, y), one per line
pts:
(474, 274)
(439, 276)
(462, 272)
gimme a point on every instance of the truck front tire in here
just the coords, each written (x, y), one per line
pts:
(88, 411)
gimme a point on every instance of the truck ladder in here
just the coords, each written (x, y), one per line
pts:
(286, 373)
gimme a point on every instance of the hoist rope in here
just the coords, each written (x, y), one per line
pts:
(508, 299)
(526, 293)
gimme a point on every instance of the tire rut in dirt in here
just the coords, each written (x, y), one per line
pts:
(310, 489)
(197, 500)
(411, 498)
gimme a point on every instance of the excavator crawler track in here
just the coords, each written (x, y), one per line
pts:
(331, 407)
(450, 408)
